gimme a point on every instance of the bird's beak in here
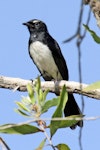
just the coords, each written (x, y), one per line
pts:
(26, 24)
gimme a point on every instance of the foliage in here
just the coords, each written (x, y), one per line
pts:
(93, 86)
(33, 106)
(93, 34)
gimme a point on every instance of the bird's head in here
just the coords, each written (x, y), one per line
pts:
(36, 25)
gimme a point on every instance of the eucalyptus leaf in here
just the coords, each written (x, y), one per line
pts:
(38, 85)
(22, 113)
(92, 86)
(18, 129)
(50, 103)
(54, 125)
(22, 106)
(69, 121)
(62, 147)
(40, 97)
(31, 93)
(45, 94)
(94, 35)
(40, 147)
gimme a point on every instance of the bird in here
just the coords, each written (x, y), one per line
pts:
(46, 54)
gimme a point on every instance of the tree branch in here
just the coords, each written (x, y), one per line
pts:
(71, 86)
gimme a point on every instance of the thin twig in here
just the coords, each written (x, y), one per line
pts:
(49, 119)
(79, 41)
(4, 145)
(71, 38)
(77, 33)
(46, 135)
(87, 22)
(80, 75)
(80, 38)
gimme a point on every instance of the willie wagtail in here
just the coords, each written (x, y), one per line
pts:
(46, 54)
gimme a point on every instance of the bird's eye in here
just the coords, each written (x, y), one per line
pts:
(37, 23)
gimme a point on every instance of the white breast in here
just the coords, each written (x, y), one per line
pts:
(43, 58)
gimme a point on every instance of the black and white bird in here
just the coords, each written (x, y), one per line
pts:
(47, 56)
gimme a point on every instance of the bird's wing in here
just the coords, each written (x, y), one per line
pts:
(58, 57)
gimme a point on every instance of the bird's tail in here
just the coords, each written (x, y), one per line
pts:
(72, 108)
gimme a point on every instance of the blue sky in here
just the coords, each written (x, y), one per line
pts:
(61, 18)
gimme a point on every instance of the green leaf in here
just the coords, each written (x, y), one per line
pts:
(92, 86)
(26, 101)
(62, 147)
(38, 85)
(40, 97)
(50, 103)
(18, 129)
(41, 145)
(59, 111)
(22, 113)
(45, 94)
(22, 106)
(94, 35)
(31, 93)
(70, 121)
(39, 92)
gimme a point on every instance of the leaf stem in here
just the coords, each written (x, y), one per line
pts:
(46, 135)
